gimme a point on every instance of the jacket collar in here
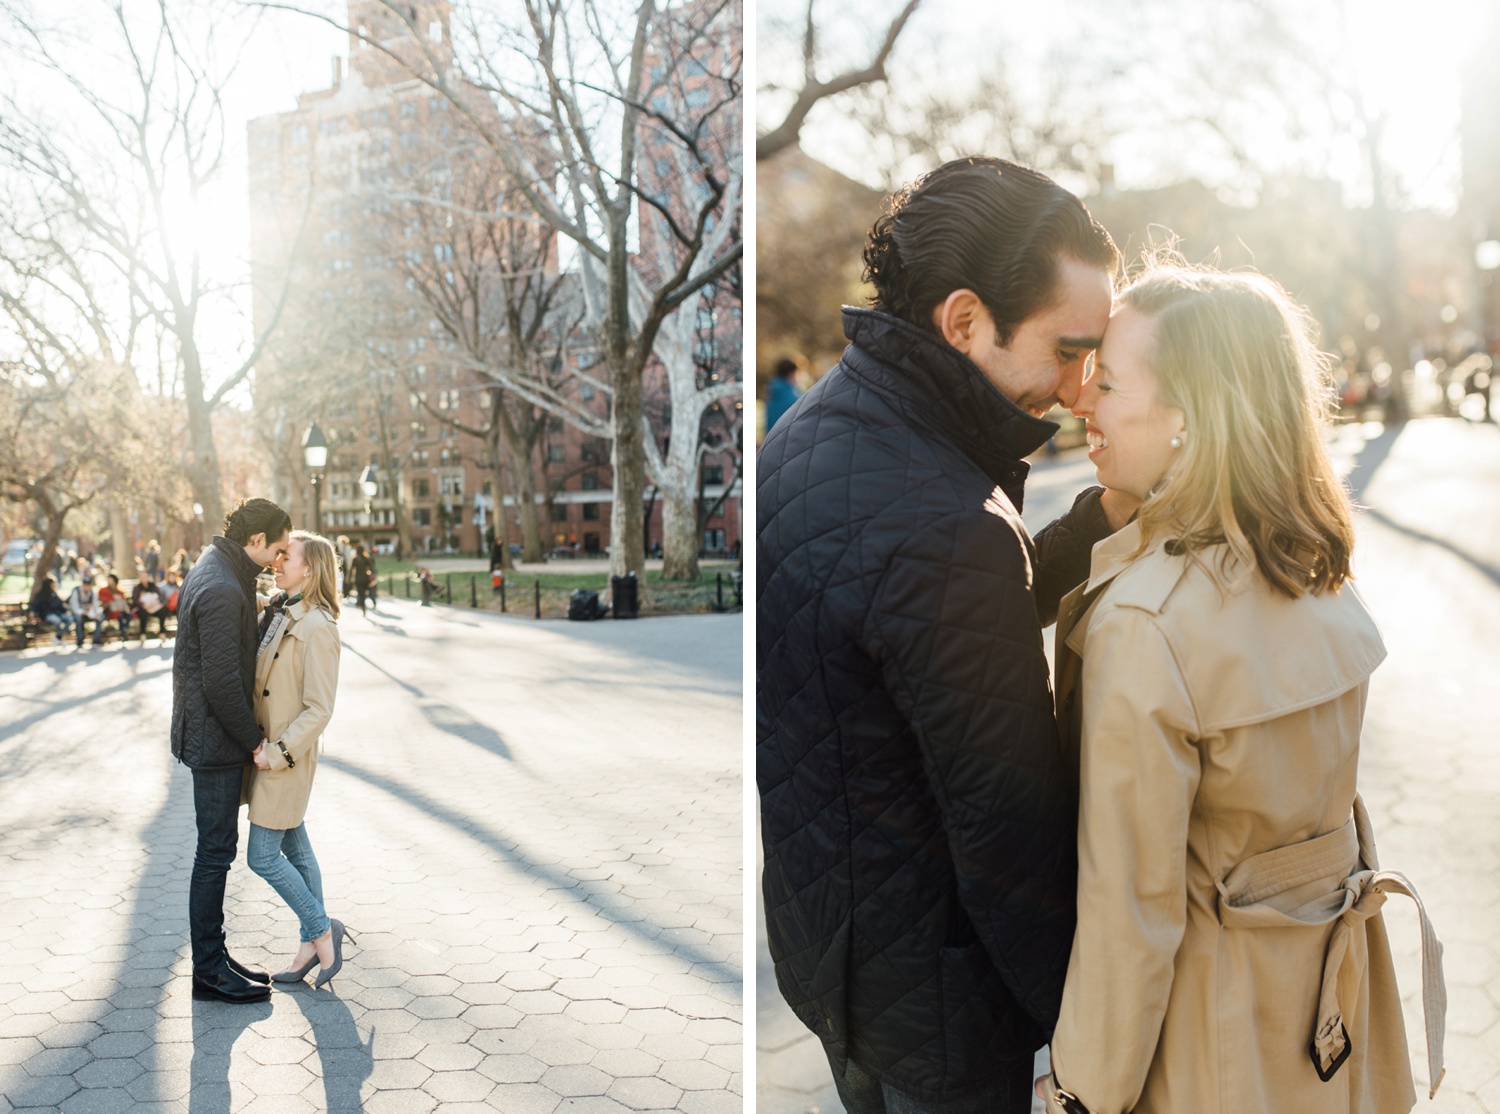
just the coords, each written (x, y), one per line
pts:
(938, 388)
(238, 560)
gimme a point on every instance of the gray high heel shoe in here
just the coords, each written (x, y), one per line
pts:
(296, 974)
(339, 931)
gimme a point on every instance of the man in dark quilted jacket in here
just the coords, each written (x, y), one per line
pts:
(214, 732)
(917, 818)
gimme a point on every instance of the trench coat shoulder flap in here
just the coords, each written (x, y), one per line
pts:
(1247, 653)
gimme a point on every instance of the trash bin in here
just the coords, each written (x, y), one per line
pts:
(497, 579)
(627, 597)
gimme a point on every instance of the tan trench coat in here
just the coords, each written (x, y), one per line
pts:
(295, 681)
(1211, 726)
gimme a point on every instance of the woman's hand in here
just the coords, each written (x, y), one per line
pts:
(261, 761)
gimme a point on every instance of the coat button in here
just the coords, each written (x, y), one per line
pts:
(265, 692)
(1068, 703)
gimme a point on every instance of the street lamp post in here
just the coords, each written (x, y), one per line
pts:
(369, 483)
(315, 456)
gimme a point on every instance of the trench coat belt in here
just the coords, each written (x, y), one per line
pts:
(1271, 890)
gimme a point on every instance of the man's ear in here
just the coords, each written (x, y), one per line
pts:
(959, 317)
(256, 541)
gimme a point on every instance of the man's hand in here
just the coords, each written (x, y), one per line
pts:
(261, 761)
(1118, 507)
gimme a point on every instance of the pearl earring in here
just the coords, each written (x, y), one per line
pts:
(1176, 442)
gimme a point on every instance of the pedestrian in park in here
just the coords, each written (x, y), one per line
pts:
(917, 815)
(181, 564)
(84, 607)
(296, 680)
(1211, 683)
(153, 558)
(214, 731)
(48, 608)
(783, 392)
(363, 573)
(116, 604)
(428, 585)
(148, 602)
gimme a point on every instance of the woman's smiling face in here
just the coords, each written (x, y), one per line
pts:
(292, 576)
(1130, 428)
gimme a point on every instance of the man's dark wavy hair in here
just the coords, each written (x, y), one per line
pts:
(256, 516)
(983, 224)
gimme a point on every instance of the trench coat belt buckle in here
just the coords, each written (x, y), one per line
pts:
(1271, 890)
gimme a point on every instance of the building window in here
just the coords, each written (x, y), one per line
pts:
(419, 431)
(422, 516)
(452, 486)
(713, 474)
(554, 425)
(419, 489)
(556, 454)
(591, 481)
(591, 512)
(559, 512)
(586, 392)
(419, 458)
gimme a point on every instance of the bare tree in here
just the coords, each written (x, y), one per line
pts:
(161, 141)
(495, 291)
(813, 89)
(72, 425)
(573, 109)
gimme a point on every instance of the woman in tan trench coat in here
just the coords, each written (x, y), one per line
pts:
(296, 676)
(1212, 672)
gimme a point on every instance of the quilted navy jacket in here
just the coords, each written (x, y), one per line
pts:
(917, 818)
(213, 666)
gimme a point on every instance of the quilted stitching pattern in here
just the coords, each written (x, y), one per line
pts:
(917, 818)
(213, 664)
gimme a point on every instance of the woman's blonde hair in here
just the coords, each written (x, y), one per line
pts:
(323, 582)
(1235, 353)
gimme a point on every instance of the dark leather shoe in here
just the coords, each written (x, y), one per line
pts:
(247, 972)
(226, 986)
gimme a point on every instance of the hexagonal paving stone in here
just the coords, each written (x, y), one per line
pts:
(655, 1021)
(512, 1068)
(48, 1090)
(108, 1073)
(525, 1098)
(437, 1006)
(458, 1086)
(277, 1050)
(493, 1017)
(397, 1075)
(450, 1057)
(563, 1051)
(716, 1031)
(57, 1061)
(644, 1093)
(400, 1102)
(694, 1075)
(538, 1001)
(443, 1030)
(597, 1012)
(626, 1062)
(576, 1080)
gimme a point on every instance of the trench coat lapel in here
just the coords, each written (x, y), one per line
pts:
(1111, 556)
(263, 663)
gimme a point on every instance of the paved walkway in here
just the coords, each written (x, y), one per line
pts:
(1428, 562)
(534, 829)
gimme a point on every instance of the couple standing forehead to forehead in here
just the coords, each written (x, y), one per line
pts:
(965, 858)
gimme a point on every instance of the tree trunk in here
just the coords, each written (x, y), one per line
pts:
(679, 528)
(627, 551)
(497, 495)
(404, 543)
(119, 536)
(203, 466)
(55, 519)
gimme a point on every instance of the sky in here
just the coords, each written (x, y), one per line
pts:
(1406, 55)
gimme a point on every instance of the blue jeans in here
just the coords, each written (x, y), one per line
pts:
(216, 804)
(285, 859)
(862, 1093)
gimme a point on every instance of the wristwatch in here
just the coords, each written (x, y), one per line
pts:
(285, 754)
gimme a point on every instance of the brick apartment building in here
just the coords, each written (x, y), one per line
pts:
(342, 161)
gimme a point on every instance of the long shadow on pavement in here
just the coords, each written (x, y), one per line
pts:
(603, 901)
(445, 717)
